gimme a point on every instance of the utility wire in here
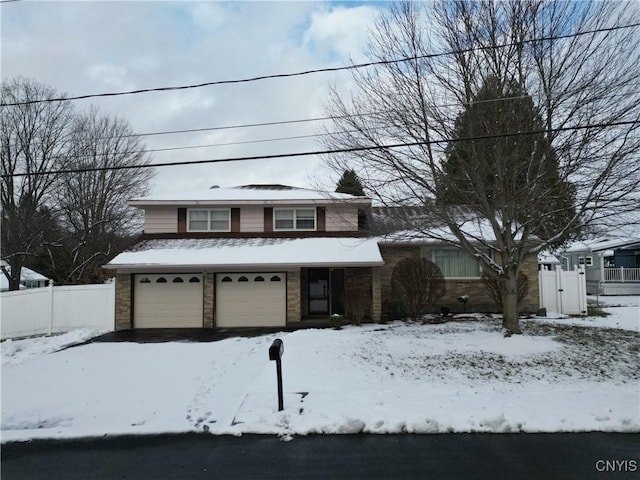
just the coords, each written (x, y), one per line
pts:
(208, 145)
(321, 70)
(321, 152)
(333, 117)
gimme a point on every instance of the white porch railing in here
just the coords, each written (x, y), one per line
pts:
(621, 274)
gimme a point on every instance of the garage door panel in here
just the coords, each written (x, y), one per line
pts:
(168, 301)
(251, 300)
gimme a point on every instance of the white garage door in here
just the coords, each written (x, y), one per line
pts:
(251, 299)
(168, 301)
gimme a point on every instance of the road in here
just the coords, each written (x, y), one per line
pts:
(200, 456)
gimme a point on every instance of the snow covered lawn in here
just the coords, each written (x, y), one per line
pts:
(561, 375)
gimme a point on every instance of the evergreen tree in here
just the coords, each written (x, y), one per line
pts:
(498, 170)
(350, 183)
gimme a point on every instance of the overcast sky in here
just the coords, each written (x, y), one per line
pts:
(93, 47)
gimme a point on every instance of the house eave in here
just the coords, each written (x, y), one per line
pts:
(268, 203)
(150, 268)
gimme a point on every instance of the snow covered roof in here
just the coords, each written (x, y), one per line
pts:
(249, 194)
(603, 244)
(548, 258)
(475, 230)
(26, 274)
(250, 253)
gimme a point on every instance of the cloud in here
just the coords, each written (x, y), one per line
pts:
(90, 47)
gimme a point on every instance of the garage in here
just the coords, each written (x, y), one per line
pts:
(251, 299)
(168, 301)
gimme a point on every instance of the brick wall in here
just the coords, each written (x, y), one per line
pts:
(209, 306)
(124, 303)
(294, 301)
(479, 299)
(367, 279)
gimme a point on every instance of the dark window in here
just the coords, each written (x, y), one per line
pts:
(178, 280)
(226, 280)
(161, 280)
(243, 279)
(258, 279)
(275, 278)
(145, 280)
(194, 280)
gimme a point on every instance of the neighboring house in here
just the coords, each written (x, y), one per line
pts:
(612, 265)
(28, 279)
(267, 255)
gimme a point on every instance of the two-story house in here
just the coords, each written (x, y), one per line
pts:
(255, 255)
(273, 255)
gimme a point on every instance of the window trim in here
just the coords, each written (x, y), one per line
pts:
(295, 219)
(209, 210)
(585, 260)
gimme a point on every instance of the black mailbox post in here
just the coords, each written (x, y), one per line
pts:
(275, 353)
(464, 299)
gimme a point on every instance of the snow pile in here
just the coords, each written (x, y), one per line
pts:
(460, 376)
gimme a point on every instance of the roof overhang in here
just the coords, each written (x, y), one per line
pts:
(253, 254)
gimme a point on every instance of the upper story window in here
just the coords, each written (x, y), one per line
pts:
(294, 219)
(209, 220)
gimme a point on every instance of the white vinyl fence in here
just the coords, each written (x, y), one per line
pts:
(563, 291)
(47, 310)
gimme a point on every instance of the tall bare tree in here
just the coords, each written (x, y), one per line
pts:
(33, 137)
(91, 199)
(579, 62)
(66, 224)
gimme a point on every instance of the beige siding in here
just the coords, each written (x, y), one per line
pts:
(252, 219)
(161, 220)
(341, 219)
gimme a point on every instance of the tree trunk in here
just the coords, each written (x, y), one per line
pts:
(510, 320)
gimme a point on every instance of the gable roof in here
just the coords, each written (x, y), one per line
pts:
(249, 194)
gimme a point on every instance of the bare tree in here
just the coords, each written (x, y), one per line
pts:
(91, 200)
(33, 137)
(580, 64)
(418, 283)
(69, 223)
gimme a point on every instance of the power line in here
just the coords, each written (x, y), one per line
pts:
(208, 145)
(319, 119)
(321, 152)
(320, 70)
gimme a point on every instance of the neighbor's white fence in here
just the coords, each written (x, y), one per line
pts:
(47, 310)
(563, 291)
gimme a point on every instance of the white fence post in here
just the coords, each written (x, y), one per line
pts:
(50, 329)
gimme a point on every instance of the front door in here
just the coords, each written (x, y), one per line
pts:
(325, 291)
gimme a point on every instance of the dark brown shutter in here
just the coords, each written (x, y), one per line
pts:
(182, 220)
(321, 215)
(268, 219)
(235, 219)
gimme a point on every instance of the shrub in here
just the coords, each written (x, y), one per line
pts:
(495, 287)
(417, 283)
(357, 303)
(335, 321)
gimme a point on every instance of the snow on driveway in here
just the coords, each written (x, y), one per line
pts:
(459, 376)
